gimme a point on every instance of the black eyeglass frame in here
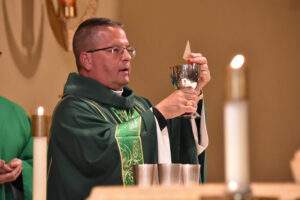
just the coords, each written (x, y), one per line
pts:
(120, 50)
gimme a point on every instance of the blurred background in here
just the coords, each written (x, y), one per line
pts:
(34, 65)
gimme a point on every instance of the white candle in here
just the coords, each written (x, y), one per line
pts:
(39, 155)
(236, 144)
(236, 129)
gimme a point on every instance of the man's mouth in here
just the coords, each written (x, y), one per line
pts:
(125, 70)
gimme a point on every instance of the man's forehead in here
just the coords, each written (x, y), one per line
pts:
(109, 34)
(108, 30)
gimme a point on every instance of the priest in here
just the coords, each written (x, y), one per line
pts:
(15, 152)
(100, 128)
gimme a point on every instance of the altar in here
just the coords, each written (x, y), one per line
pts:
(211, 191)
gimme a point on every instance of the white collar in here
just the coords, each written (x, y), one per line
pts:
(118, 92)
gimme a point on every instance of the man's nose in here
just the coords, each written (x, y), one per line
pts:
(126, 55)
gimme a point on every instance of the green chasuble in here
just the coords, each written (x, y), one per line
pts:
(15, 142)
(96, 138)
(98, 135)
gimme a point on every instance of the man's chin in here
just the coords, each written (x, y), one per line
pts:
(125, 80)
(123, 83)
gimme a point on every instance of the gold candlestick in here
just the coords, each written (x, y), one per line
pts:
(68, 8)
(236, 131)
(39, 132)
(39, 123)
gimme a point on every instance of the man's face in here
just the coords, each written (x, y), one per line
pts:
(110, 69)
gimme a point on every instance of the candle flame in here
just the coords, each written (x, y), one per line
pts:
(40, 111)
(237, 61)
(232, 185)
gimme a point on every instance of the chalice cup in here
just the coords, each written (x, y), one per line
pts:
(185, 76)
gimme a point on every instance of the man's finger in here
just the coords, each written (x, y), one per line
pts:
(204, 67)
(194, 55)
(188, 90)
(7, 168)
(19, 172)
(15, 162)
(190, 109)
(198, 60)
(6, 177)
(191, 97)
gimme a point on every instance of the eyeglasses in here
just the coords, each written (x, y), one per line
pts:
(116, 50)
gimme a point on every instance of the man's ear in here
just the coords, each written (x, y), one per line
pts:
(86, 60)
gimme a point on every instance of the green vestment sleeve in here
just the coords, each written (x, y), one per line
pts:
(26, 157)
(182, 143)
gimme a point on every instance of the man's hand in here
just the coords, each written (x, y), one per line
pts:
(179, 102)
(4, 168)
(11, 171)
(204, 71)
